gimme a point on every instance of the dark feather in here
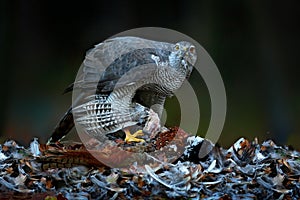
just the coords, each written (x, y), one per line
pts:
(126, 63)
(63, 127)
(69, 88)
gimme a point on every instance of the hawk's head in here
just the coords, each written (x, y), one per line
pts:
(183, 57)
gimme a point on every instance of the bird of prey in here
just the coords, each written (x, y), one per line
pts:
(124, 82)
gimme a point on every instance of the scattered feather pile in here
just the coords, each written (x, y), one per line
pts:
(247, 170)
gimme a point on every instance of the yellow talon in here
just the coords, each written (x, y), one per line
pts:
(132, 137)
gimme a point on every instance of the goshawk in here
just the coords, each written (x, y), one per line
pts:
(129, 77)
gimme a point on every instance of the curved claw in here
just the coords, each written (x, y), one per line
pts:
(132, 137)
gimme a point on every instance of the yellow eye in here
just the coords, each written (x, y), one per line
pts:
(176, 47)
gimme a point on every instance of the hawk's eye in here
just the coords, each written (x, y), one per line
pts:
(176, 47)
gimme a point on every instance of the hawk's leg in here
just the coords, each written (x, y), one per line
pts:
(132, 137)
(146, 116)
(152, 125)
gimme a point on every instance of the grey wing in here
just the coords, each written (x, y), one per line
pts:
(101, 68)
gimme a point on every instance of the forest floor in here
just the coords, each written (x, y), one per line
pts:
(201, 170)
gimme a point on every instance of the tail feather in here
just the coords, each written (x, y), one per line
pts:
(69, 88)
(63, 127)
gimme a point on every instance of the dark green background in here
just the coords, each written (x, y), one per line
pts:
(255, 45)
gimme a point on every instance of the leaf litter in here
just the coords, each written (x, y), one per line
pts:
(247, 170)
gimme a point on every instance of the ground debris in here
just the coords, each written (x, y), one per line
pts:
(247, 170)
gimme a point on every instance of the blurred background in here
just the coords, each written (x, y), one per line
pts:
(255, 45)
